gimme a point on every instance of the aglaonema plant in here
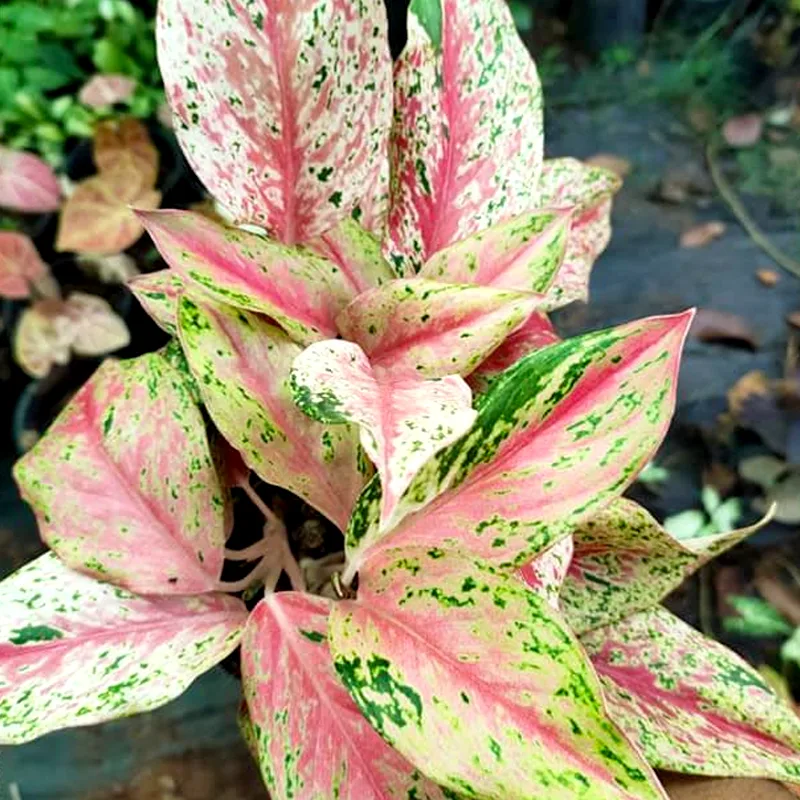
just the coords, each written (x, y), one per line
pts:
(372, 337)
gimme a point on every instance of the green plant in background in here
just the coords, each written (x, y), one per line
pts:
(717, 516)
(759, 619)
(51, 48)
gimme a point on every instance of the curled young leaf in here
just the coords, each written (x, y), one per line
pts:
(123, 484)
(304, 728)
(283, 109)
(20, 265)
(428, 329)
(522, 253)
(297, 288)
(443, 648)
(126, 143)
(546, 573)
(74, 651)
(626, 562)
(403, 421)
(159, 292)
(587, 191)
(97, 217)
(467, 140)
(242, 365)
(27, 183)
(558, 436)
(690, 704)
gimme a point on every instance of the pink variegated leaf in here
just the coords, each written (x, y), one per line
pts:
(123, 484)
(75, 651)
(358, 255)
(297, 288)
(27, 183)
(96, 328)
(534, 334)
(403, 421)
(522, 253)
(467, 141)
(158, 292)
(306, 731)
(440, 648)
(20, 265)
(567, 183)
(545, 574)
(283, 109)
(105, 90)
(690, 704)
(558, 436)
(626, 562)
(430, 329)
(242, 365)
(43, 338)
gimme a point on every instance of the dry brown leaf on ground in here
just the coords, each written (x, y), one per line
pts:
(722, 327)
(744, 130)
(703, 234)
(767, 277)
(127, 142)
(616, 164)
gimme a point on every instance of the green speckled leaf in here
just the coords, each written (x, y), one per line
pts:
(158, 292)
(308, 737)
(478, 681)
(123, 484)
(74, 651)
(558, 436)
(626, 562)
(522, 253)
(242, 365)
(430, 329)
(690, 704)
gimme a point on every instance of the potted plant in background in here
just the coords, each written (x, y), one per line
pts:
(482, 616)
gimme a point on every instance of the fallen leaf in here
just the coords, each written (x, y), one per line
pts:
(616, 164)
(20, 265)
(744, 130)
(27, 183)
(722, 327)
(97, 218)
(105, 90)
(42, 339)
(767, 277)
(126, 141)
(751, 383)
(682, 181)
(702, 235)
(97, 328)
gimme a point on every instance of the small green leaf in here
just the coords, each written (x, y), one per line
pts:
(757, 618)
(429, 14)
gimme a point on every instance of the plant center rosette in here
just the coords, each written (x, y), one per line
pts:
(370, 336)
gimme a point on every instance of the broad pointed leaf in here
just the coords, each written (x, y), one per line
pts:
(43, 338)
(308, 735)
(567, 183)
(242, 365)
(20, 265)
(557, 437)
(126, 142)
(545, 574)
(534, 334)
(403, 421)
(690, 704)
(479, 682)
(96, 328)
(27, 183)
(283, 109)
(123, 484)
(74, 651)
(626, 562)
(97, 217)
(297, 288)
(358, 255)
(523, 253)
(430, 329)
(158, 292)
(467, 141)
